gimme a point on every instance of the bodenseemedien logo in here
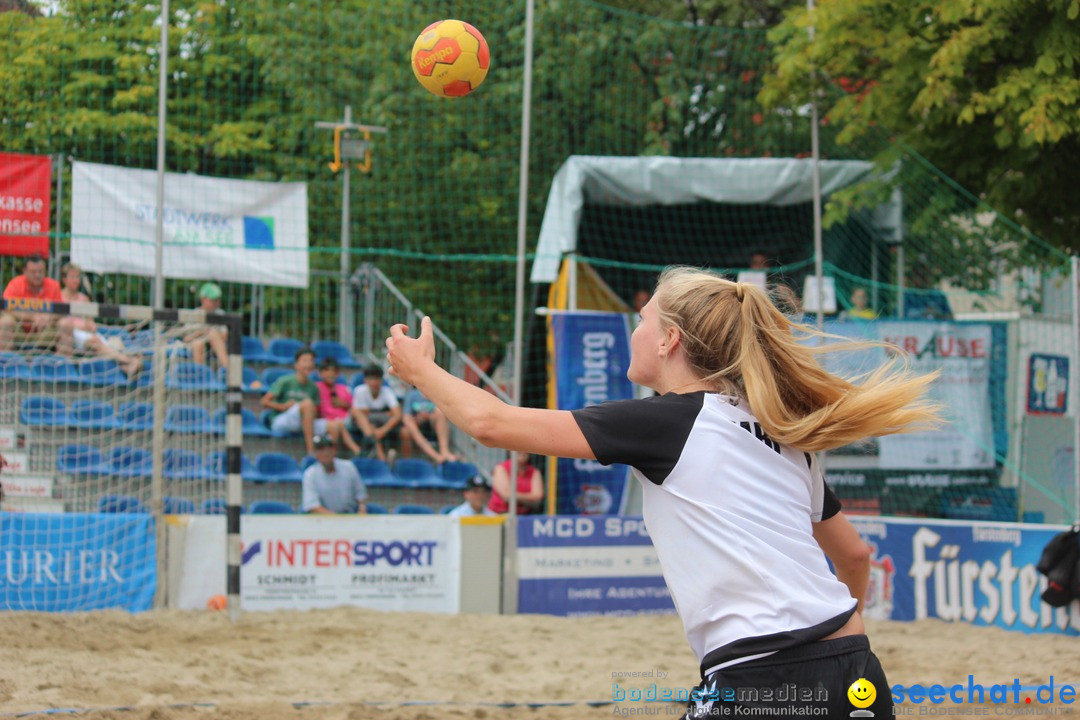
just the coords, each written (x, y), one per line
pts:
(258, 232)
(862, 694)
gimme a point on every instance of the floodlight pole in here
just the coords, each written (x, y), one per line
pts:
(1075, 262)
(815, 153)
(343, 153)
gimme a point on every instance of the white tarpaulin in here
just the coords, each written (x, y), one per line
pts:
(640, 181)
(215, 228)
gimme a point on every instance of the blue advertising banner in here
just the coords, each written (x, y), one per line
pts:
(591, 357)
(70, 562)
(577, 565)
(981, 573)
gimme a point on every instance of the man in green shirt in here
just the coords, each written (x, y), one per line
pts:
(294, 401)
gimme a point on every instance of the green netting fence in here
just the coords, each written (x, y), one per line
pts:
(436, 214)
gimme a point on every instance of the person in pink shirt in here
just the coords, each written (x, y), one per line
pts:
(334, 403)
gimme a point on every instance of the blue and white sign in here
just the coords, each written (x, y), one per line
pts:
(75, 562)
(981, 573)
(576, 565)
(592, 355)
(215, 228)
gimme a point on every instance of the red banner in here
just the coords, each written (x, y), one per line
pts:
(25, 182)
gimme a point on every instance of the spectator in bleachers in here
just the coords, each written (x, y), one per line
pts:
(294, 401)
(420, 415)
(84, 330)
(331, 485)
(213, 335)
(530, 487)
(376, 412)
(335, 401)
(860, 307)
(477, 492)
(42, 330)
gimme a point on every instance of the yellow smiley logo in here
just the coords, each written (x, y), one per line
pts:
(862, 693)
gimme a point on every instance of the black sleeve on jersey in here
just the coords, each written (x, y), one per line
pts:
(647, 434)
(830, 504)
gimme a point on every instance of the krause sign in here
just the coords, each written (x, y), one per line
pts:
(215, 228)
(981, 573)
(386, 563)
(578, 565)
(25, 183)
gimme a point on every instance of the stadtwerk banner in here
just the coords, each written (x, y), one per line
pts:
(214, 228)
(592, 355)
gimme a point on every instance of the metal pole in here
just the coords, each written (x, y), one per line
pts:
(59, 212)
(157, 483)
(815, 153)
(345, 325)
(510, 596)
(1075, 408)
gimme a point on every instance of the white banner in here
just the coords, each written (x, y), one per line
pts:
(215, 228)
(962, 352)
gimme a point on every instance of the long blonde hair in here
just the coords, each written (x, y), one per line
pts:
(737, 340)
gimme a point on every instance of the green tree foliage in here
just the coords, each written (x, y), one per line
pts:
(988, 90)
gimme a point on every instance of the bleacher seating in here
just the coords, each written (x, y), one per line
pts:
(192, 376)
(374, 472)
(43, 411)
(254, 352)
(284, 350)
(177, 506)
(130, 462)
(250, 425)
(101, 372)
(13, 366)
(306, 462)
(81, 460)
(188, 419)
(415, 472)
(121, 504)
(277, 467)
(413, 509)
(214, 506)
(446, 509)
(92, 415)
(53, 369)
(137, 416)
(271, 507)
(180, 464)
(264, 420)
(270, 376)
(456, 474)
(377, 509)
(334, 349)
(248, 379)
(215, 467)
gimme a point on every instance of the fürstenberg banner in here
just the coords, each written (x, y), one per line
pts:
(215, 228)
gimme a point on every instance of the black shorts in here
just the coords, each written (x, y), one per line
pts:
(811, 680)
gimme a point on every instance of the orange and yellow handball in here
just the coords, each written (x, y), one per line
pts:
(450, 58)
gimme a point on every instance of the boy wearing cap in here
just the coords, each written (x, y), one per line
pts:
(331, 485)
(212, 335)
(477, 493)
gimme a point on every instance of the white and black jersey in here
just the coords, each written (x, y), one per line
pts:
(729, 511)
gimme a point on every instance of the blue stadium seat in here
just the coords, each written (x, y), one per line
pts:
(136, 416)
(130, 462)
(81, 460)
(184, 465)
(146, 375)
(446, 509)
(375, 472)
(108, 331)
(306, 462)
(249, 424)
(214, 506)
(356, 380)
(188, 419)
(101, 372)
(271, 507)
(13, 366)
(277, 467)
(53, 369)
(121, 504)
(177, 506)
(92, 415)
(253, 351)
(314, 377)
(411, 509)
(334, 349)
(249, 380)
(192, 376)
(215, 467)
(284, 350)
(456, 474)
(414, 472)
(43, 411)
(270, 376)
(376, 509)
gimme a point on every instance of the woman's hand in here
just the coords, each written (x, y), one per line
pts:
(406, 355)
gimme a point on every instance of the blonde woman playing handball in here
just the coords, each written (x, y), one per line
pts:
(733, 499)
